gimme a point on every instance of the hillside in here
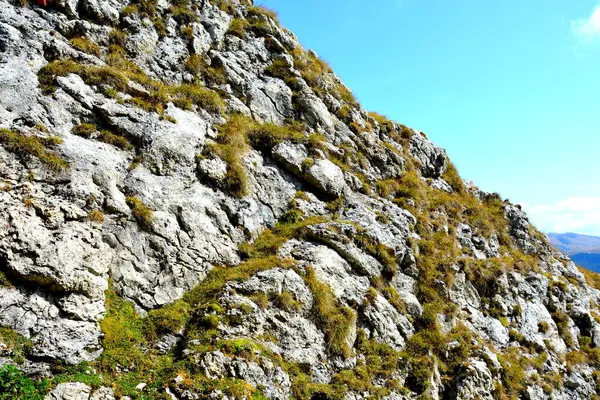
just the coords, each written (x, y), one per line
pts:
(572, 243)
(584, 250)
(196, 207)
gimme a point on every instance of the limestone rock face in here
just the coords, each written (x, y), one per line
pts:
(192, 206)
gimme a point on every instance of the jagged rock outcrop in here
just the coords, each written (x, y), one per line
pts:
(193, 206)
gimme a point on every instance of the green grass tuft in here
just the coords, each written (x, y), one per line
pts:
(34, 146)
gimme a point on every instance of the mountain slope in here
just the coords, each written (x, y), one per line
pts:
(584, 250)
(196, 207)
(572, 243)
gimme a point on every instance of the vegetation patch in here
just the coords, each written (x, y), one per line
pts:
(334, 319)
(84, 44)
(15, 385)
(41, 148)
(141, 212)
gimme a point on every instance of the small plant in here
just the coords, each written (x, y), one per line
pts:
(280, 69)
(96, 216)
(237, 27)
(84, 130)
(29, 145)
(115, 140)
(141, 212)
(84, 44)
(287, 302)
(335, 320)
(195, 64)
(15, 385)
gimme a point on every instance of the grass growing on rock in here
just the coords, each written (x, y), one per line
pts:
(116, 77)
(141, 212)
(335, 320)
(84, 44)
(41, 148)
(234, 141)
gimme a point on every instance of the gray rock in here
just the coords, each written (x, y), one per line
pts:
(326, 177)
(70, 391)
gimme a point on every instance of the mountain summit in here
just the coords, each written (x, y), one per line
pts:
(195, 207)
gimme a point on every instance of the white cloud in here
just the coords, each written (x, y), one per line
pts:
(574, 214)
(587, 29)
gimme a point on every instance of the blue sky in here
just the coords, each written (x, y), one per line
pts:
(511, 89)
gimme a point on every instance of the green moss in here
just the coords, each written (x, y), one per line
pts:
(4, 282)
(141, 212)
(34, 146)
(171, 318)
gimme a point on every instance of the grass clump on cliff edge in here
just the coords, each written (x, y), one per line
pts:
(141, 212)
(233, 143)
(115, 78)
(335, 320)
(34, 146)
(231, 146)
(84, 44)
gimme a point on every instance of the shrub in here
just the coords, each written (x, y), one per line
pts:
(84, 44)
(29, 145)
(15, 385)
(141, 212)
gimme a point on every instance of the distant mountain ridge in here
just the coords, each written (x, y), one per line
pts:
(584, 250)
(573, 243)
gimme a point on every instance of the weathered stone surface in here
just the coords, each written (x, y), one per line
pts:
(58, 262)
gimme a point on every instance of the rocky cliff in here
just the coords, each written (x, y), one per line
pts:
(193, 206)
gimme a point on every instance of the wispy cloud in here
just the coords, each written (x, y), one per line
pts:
(587, 29)
(574, 214)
